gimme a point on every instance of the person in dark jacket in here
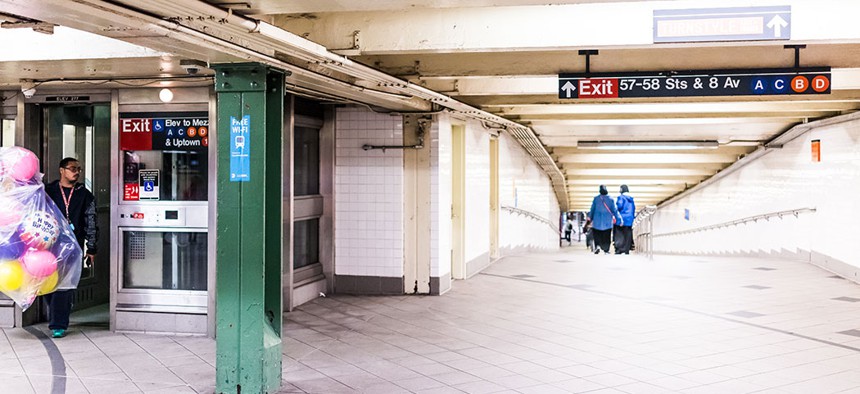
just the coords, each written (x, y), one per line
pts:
(624, 231)
(603, 215)
(589, 235)
(78, 205)
(568, 229)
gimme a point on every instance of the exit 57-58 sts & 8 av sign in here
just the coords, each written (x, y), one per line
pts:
(701, 83)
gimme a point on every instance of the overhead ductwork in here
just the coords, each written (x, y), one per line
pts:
(198, 30)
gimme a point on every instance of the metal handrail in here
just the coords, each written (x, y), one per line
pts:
(765, 216)
(643, 236)
(643, 214)
(533, 216)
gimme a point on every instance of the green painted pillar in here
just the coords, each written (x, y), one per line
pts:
(248, 328)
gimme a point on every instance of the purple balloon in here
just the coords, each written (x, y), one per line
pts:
(12, 248)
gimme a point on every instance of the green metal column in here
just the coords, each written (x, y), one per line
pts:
(248, 328)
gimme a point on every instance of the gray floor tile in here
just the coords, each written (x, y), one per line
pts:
(360, 381)
(745, 314)
(643, 331)
(419, 383)
(455, 378)
(479, 387)
(756, 287)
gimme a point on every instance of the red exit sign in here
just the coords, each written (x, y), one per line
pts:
(136, 125)
(598, 88)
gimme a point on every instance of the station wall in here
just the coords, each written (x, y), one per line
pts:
(369, 217)
(523, 185)
(784, 179)
(368, 195)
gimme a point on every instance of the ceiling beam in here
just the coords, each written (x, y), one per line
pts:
(633, 189)
(646, 118)
(646, 158)
(494, 85)
(728, 150)
(633, 172)
(311, 6)
(710, 167)
(643, 196)
(492, 103)
(666, 120)
(838, 101)
(639, 180)
(398, 31)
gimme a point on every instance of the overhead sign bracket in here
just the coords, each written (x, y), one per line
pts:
(797, 49)
(587, 53)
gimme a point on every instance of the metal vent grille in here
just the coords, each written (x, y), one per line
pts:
(137, 246)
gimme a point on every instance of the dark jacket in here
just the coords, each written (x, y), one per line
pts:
(82, 212)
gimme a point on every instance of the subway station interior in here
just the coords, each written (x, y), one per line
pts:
(316, 196)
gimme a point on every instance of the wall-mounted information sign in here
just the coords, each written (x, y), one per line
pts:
(700, 83)
(131, 192)
(148, 185)
(816, 151)
(66, 99)
(240, 149)
(152, 131)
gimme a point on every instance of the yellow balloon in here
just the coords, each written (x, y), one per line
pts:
(50, 284)
(11, 275)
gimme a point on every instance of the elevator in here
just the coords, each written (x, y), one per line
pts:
(163, 165)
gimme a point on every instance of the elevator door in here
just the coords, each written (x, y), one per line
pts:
(83, 132)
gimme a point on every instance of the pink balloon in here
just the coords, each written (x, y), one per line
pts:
(11, 213)
(39, 263)
(21, 164)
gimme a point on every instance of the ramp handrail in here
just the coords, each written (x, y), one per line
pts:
(766, 216)
(533, 216)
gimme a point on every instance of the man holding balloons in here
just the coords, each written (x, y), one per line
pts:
(79, 208)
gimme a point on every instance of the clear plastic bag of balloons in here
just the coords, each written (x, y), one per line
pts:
(38, 250)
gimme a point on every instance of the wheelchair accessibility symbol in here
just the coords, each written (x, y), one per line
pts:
(149, 186)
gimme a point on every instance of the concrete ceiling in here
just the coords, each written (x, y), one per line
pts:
(504, 57)
(515, 75)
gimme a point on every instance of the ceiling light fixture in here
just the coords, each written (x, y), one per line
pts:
(647, 145)
(165, 95)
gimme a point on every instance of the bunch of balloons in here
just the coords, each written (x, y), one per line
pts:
(38, 250)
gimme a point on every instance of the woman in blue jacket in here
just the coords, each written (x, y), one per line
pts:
(603, 216)
(624, 232)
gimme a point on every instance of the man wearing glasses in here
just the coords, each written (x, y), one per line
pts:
(79, 207)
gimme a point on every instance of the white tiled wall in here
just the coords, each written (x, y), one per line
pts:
(515, 168)
(477, 210)
(782, 180)
(440, 189)
(369, 198)
(524, 185)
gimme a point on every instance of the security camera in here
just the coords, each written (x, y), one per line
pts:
(28, 88)
(192, 66)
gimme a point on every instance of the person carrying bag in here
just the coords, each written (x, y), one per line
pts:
(603, 219)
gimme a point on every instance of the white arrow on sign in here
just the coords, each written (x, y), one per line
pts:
(568, 88)
(777, 23)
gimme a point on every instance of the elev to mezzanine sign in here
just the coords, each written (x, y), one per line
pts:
(698, 83)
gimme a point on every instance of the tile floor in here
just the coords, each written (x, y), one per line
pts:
(543, 323)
